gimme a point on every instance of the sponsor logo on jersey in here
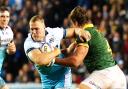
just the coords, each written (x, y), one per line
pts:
(94, 84)
(4, 42)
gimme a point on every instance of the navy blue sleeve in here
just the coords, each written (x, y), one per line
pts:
(64, 33)
(30, 49)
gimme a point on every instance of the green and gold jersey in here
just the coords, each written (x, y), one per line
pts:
(99, 55)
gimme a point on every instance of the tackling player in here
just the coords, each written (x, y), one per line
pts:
(96, 54)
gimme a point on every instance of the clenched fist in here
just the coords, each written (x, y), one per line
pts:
(11, 48)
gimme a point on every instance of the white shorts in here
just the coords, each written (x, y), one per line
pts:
(109, 78)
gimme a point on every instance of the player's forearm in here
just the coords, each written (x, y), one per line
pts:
(74, 59)
(42, 58)
(52, 54)
(46, 58)
(69, 61)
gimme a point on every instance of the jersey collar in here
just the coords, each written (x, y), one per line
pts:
(88, 25)
(3, 28)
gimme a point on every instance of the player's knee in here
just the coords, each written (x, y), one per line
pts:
(83, 86)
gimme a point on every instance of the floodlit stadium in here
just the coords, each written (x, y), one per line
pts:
(109, 16)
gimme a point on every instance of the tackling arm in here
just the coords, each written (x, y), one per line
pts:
(81, 33)
(74, 59)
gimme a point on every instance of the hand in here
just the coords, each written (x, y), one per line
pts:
(84, 36)
(57, 50)
(11, 48)
(71, 47)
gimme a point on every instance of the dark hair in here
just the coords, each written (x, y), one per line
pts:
(37, 18)
(3, 8)
(79, 15)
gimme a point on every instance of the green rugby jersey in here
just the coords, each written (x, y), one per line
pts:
(99, 55)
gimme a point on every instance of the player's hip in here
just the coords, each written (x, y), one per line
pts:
(111, 77)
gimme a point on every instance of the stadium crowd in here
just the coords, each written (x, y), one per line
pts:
(110, 16)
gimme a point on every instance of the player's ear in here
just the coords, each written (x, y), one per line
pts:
(74, 24)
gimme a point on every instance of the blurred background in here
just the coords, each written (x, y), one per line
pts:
(110, 17)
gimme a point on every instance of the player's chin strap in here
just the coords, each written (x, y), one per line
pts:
(51, 63)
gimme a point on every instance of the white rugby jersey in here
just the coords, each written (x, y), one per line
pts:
(53, 37)
(50, 75)
(6, 35)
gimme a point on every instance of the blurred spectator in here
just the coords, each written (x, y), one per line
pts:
(25, 74)
(9, 78)
(110, 16)
(84, 3)
(116, 43)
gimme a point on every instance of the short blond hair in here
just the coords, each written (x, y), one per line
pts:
(37, 18)
(4, 8)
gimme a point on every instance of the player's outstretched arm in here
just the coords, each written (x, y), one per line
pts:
(74, 59)
(78, 32)
(42, 58)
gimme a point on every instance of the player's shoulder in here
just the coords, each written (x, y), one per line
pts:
(49, 28)
(87, 35)
(49, 38)
(28, 39)
(53, 29)
(29, 43)
(8, 29)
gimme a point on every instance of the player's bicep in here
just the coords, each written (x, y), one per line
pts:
(33, 54)
(39, 57)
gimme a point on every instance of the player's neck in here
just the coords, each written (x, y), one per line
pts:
(88, 25)
(40, 39)
(2, 28)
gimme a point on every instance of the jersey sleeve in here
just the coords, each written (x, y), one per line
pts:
(58, 33)
(27, 46)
